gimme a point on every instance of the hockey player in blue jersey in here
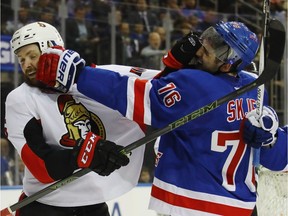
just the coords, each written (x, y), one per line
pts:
(203, 167)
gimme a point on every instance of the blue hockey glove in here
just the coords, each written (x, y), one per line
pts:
(57, 68)
(261, 131)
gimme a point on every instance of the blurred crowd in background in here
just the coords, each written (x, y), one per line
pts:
(137, 32)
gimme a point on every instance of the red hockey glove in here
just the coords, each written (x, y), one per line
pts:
(100, 155)
(57, 68)
(261, 131)
(183, 52)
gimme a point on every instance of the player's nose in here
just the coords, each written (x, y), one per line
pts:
(200, 52)
(27, 64)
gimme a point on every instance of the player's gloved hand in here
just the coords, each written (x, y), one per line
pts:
(57, 68)
(183, 52)
(100, 155)
(261, 131)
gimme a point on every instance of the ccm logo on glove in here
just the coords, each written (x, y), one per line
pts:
(101, 156)
(86, 153)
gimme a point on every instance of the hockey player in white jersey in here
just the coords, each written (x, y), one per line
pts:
(56, 134)
(203, 167)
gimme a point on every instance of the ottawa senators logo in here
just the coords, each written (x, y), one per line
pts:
(79, 121)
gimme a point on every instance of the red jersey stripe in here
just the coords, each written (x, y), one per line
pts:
(35, 165)
(199, 205)
(139, 91)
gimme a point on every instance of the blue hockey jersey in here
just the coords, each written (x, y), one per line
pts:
(203, 167)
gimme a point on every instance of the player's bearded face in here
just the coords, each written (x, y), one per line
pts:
(28, 57)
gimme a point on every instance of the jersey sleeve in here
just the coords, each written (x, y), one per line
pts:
(43, 162)
(275, 158)
(138, 72)
(154, 102)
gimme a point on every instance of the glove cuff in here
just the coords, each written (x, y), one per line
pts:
(169, 61)
(83, 152)
(270, 144)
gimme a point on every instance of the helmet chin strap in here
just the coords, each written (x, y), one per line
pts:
(218, 70)
(232, 69)
(235, 65)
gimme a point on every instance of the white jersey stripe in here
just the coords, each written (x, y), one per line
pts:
(130, 97)
(165, 208)
(147, 104)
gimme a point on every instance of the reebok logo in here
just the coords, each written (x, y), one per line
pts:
(192, 41)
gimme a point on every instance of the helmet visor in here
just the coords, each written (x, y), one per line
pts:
(214, 43)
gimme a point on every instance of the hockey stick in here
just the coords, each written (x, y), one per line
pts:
(261, 88)
(277, 35)
(263, 51)
(7, 211)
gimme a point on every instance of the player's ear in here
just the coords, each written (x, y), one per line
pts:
(225, 68)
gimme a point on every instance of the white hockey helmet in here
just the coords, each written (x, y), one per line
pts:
(44, 34)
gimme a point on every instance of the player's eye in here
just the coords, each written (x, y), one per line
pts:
(33, 56)
(21, 61)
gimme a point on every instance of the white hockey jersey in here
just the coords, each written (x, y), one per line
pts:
(66, 118)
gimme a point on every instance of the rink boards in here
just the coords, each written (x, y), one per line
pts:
(132, 203)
